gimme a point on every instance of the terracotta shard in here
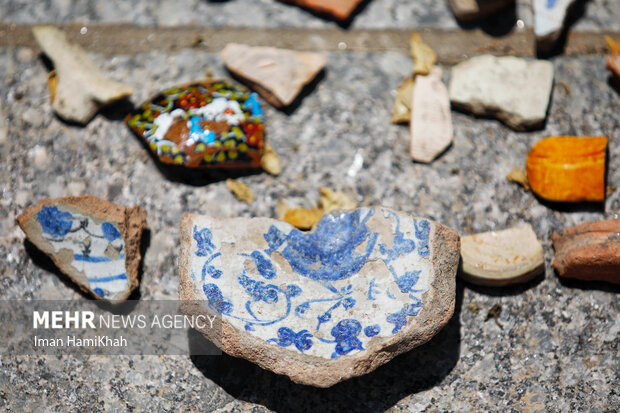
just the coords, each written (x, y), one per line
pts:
(515, 90)
(431, 120)
(78, 88)
(95, 242)
(339, 9)
(271, 161)
(466, 10)
(568, 169)
(278, 75)
(499, 258)
(209, 124)
(589, 252)
(240, 190)
(324, 306)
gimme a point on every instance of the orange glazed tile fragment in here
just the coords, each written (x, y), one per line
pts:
(568, 168)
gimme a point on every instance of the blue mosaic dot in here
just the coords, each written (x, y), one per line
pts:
(99, 292)
(372, 331)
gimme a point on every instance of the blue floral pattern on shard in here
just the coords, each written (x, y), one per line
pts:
(324, 293)
(98, 248)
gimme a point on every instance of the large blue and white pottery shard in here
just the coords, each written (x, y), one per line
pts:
(320, 306)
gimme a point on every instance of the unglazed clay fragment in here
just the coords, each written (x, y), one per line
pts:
(589, 251)
(240, 190)
(513, 89)
(549, 18)
(271, 161)
(95, 242)
(277, 74)
(79, 89)
(466, 10)
(424, 58)
(331, 200)
(211, 124)
(303, 218)
(401, 112)
(339, 9)
(323, 306)
(613, 59)
(568, 169)
(431, 120)
(502, 257)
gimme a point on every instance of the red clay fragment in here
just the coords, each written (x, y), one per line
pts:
(340, 9)
(589, 252)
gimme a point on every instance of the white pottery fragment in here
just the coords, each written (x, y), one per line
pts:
(276, 74)
(502, 257)
(431, 120)
(512, 89)
(81, 89)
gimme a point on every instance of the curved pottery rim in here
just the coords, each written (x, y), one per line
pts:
(439, 302)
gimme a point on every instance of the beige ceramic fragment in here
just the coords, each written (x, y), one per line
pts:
(502, 257)
(335, 201)
(518, 176)
(613, 45)
(431, 120)
(424, 58)
(303, 218)
(401, 113)
(270, 161)
(278, 75)
(81, 88)
(240, 190)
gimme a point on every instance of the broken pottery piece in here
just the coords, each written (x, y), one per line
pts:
(331, 200)
(424, 58)
(210, 124)
(270, 161)
(431, 120)
(95, 242)
(518, 176)
(466, 10)
(589, 252)
(240, 190)
(80, 89)
(504, 257)
(401, 112)
(324, 306)
(278, 75)
(512, 89)
(568, 168)
(549, 19)
(339, 9)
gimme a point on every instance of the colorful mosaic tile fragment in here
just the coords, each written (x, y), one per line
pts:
(211, 124)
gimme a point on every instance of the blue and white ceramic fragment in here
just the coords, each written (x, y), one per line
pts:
(320, 306)
(95, 242)
(549, 19)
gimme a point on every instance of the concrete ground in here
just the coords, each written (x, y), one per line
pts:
(557, 349)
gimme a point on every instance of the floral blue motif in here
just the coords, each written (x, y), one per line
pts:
(110, 232)
(323, 257)
(286, 337)
(55, 222)
(330, 256)
(203, 241)
(372, 330)
(216, 299)
(345, 334)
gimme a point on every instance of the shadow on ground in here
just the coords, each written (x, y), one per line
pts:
(410, 373)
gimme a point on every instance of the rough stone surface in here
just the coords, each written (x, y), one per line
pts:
(325, 306)
(95, 242)
(466, 10)
(340, 9)
(558, 348)
(589, 251)
(515, 90)
(503, 257)
(431, 120)
(277, 74)
(80, 88)
(549, 19)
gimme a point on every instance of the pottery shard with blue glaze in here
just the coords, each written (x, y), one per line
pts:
(549, 20)
(320, 306)
(95, 242)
